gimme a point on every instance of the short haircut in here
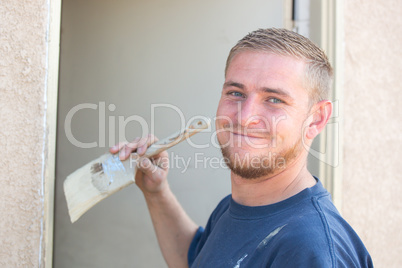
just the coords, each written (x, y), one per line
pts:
(284, 42)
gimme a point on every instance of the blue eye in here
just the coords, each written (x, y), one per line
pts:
(275, 100)
(236, 94)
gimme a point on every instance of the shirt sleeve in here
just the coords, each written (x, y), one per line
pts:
(202, 234)
(192, 251)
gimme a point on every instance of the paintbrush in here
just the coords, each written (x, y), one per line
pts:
(106, 175)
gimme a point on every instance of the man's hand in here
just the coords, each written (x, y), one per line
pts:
(151, 175)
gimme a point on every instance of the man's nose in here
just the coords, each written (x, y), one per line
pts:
(249, 113)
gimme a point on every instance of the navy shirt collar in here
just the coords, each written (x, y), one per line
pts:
(245, 212)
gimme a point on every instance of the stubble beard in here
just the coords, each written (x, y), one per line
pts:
(256, 166)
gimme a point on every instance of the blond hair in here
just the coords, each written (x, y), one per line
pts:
(284, 42)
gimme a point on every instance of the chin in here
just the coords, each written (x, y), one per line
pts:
(252, 165)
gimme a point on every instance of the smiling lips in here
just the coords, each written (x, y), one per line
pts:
(246, 136)
(257, 139)
(249, 135)
(253, 133)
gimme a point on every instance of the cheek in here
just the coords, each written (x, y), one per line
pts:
(225, 113)
(288, 130)
(222, 136)
(222, 122)
(278, 121)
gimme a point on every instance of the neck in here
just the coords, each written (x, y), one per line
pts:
(273, 188)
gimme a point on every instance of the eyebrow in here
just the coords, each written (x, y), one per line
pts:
(233, 84)
(277, 91)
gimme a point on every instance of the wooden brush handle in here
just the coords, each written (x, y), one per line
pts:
(178, 137)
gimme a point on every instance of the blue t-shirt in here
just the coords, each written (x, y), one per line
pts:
(304, 230)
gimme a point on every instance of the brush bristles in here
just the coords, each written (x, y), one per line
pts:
(88, 186)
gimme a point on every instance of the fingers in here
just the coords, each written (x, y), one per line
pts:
(128, 148)
(142, 144)
(151, 175)
(138, 145)
(114, 149)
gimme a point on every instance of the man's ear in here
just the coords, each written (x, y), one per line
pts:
(318, 119)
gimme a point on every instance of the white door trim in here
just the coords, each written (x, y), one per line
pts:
(49, 159)
(332, 43)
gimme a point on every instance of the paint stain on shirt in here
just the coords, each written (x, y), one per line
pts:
(265, 241)
(239, 261)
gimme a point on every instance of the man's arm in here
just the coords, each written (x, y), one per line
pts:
(174, 229)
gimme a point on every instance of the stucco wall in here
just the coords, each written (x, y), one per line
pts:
(372, 184)
(23, 26)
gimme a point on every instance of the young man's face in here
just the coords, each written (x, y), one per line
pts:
(261, 113)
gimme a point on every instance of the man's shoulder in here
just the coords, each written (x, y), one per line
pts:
(322, 233)
(318, 221)
(305, 228)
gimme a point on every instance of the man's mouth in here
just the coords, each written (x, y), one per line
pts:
(257, 135)
(262, 134)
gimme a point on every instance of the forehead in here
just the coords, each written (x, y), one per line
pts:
(261, 69)
(258, 61)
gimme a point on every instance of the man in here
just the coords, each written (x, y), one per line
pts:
(274, 102)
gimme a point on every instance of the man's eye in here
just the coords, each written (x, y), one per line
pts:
(275, 100)
(236, 94)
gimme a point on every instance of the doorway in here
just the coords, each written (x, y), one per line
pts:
(154, 60)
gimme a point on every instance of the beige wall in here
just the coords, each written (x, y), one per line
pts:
(26, 132)
(372, 183)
